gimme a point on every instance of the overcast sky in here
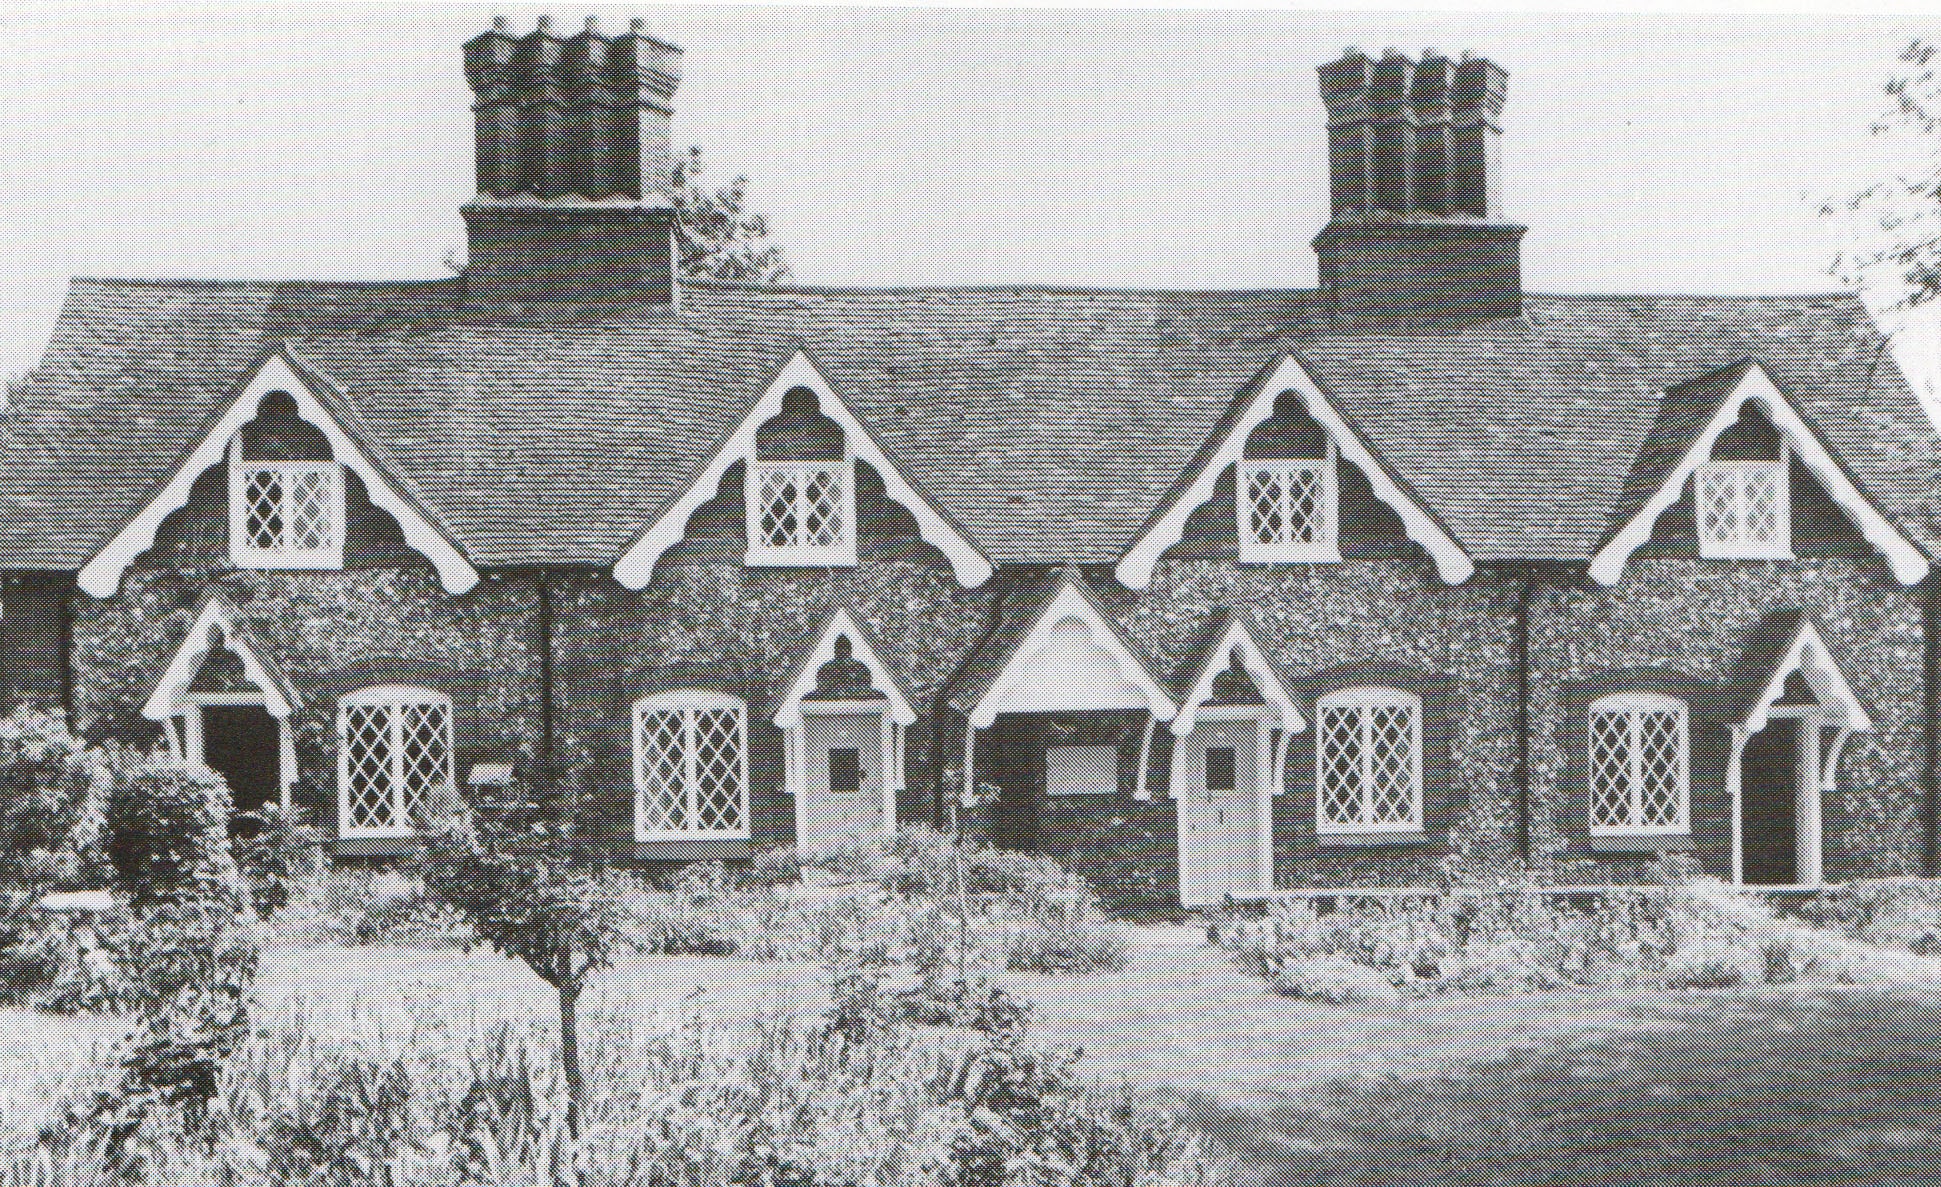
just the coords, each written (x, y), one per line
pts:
(899, 146)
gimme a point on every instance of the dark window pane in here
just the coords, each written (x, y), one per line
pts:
(1219, 768)
(845, 769)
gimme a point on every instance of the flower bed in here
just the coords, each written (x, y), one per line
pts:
(1702, 934)
(894, 902)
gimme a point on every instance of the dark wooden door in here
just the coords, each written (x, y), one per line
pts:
(240, 742)
(1769, 782)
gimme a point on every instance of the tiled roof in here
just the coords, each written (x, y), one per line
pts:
(1049, 423)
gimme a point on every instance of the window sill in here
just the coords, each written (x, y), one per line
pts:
(695, 849)
(1715, 554)
(1401, 838)
(359, 846)
(1641, 843)
(322, 561)
(764, 559)
(1269, 558)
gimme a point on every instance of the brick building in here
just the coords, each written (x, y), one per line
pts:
(1221, 590)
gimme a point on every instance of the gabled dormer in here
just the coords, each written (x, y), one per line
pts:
(288, 459)
(1731, 465)
(1288, 454)
(800, 451)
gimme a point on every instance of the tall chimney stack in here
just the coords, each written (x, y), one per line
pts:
(575, 164)
(1416, 228)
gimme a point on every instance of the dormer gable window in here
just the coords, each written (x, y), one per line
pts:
(1286, 491)
(286, 492)
(1740, 495)
(801, 489)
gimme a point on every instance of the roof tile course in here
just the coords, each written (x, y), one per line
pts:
(1049, 423)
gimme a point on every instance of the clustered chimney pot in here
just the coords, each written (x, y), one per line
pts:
(1414, 181)
(575, 163)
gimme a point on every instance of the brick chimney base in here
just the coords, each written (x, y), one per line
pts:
(1454, 270)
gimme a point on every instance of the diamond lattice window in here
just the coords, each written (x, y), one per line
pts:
(1287, 510)
(287, 514)
(394, 752)
(690, 767)
(1742, 509)
(801, 513)
(1639, 764)
(1368, 761)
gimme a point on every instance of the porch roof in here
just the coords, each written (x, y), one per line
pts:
(1780, 644)
(994, 680)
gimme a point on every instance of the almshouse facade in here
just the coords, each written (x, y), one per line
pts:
(1221, 591)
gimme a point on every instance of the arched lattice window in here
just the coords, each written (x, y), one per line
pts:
(690, 766)
(286, 497)
(1640, 764)
(801, 488)
(1740, 493)
(1287, 495)
(1368, 761)
(394, 754)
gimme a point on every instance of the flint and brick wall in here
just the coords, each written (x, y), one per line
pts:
(1675, 624)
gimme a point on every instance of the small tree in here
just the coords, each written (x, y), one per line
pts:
(531, 889)
(719, 237)
(1897, 221)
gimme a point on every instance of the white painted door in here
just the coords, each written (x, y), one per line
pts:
(844, 794)
(1220, 831)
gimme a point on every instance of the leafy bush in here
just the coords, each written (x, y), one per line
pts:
(1064, 941)
(168, 834)
(52, 788)
(276, 850)
(1700, 934)
(1332, 979)
(356, 907)
(1896, 912)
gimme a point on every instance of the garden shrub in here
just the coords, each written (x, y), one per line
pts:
(52, 786)
(1334, 979)
(168, 834)
(354, 906)
(1697, 934)
(1895, 912)
(276, 851)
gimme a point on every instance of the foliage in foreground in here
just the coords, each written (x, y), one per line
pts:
(893, 905)
(856, 1097)
(1698, 935)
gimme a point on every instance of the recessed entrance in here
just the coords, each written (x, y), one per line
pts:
(1768, 813)
(242, 744)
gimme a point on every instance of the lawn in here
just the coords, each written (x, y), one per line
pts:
(1764, 1088)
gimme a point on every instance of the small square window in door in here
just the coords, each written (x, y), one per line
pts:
(845, 769)
(1220, 769)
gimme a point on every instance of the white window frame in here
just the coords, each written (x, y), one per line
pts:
(1365, 700)
(1634, 705)
(395, 698)
(1780, 547)
(1327, 547)
(246, 555)
(761, 552)
(689, 702)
